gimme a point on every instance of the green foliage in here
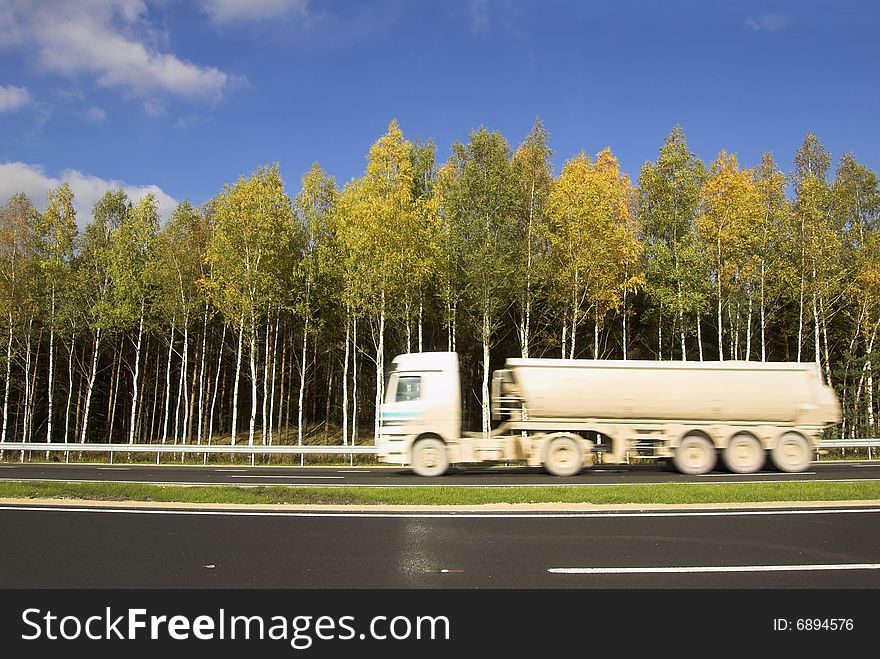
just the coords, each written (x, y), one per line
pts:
(669, 196)
(250, 249)
(482, 203)
(176, 271)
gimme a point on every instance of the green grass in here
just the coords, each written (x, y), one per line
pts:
(665, 493)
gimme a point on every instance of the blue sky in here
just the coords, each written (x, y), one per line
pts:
(182, 96)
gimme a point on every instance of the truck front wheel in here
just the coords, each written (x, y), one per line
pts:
(564, 456)
(429, 457)
(695, 455)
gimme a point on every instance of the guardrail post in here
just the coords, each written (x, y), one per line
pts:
(111, 456)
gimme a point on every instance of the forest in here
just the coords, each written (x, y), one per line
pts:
(268, 315)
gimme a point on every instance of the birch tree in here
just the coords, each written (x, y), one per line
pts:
(669, 191)
(730, 213)
(533, 173)
(19, 277)
(313, 206)
(593, 250)
(247, 254)
(773, 245)
(95, 269)
(56, 229)
(377, 224)
(818, 244)
(178, 271)
(130, 254)
(483, 201)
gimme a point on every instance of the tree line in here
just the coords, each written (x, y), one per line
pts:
(269, 317)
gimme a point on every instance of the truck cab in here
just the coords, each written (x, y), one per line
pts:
(422, 405)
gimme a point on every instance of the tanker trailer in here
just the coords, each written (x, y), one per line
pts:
(559, 413)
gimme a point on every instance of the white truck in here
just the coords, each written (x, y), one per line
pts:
(560, 413)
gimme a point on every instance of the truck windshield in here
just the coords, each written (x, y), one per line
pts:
(409, 387)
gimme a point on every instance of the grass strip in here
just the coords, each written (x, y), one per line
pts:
(658, 493)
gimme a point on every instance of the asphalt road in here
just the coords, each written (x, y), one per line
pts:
(395, 477)
(111, 548)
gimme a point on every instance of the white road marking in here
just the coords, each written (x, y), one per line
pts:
(114, 469)
(277, 476)
(714, 568)
(222, 471)
(543, 515)
(352, 471)
(793, 475)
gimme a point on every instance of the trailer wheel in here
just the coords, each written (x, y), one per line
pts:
(744, 454)
(429, 457)
(792, 453)
(695, 455)
(563, 456)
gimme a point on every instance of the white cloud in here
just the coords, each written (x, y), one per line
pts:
(12, 98)
(228, 11)
(108, 39)
(154, 107)
(479, 15)
(18, 177)
(767, 23)
(95, 114)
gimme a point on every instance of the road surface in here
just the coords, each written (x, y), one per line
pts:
(116, 547)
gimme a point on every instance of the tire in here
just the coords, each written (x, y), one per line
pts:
(563, 456)
(792, 453)
(695, 455)
(429, 457)
(744, 454)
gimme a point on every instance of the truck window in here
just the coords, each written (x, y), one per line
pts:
(409, 387)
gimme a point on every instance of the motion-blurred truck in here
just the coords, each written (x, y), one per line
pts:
(561, 413)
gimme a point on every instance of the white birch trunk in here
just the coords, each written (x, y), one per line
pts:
(252, 360)
(237, 378)
(7, 383)
(70, 351)
(202, 375)
(167, 412)
(302, 383)
(274, 363)
(26, 427)
(51, 371)
(380, 370)
(264, 430)
(421, 319)
(699, 337)
(91, 387)
(749, 331)
(178, 433)
(484, 403)
(216, 386)
(345, 377)
(136, 378)
(763, 317)
(354, 387)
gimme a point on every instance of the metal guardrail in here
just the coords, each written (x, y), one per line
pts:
(246, 449)
(850, 443)
(289, 449)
